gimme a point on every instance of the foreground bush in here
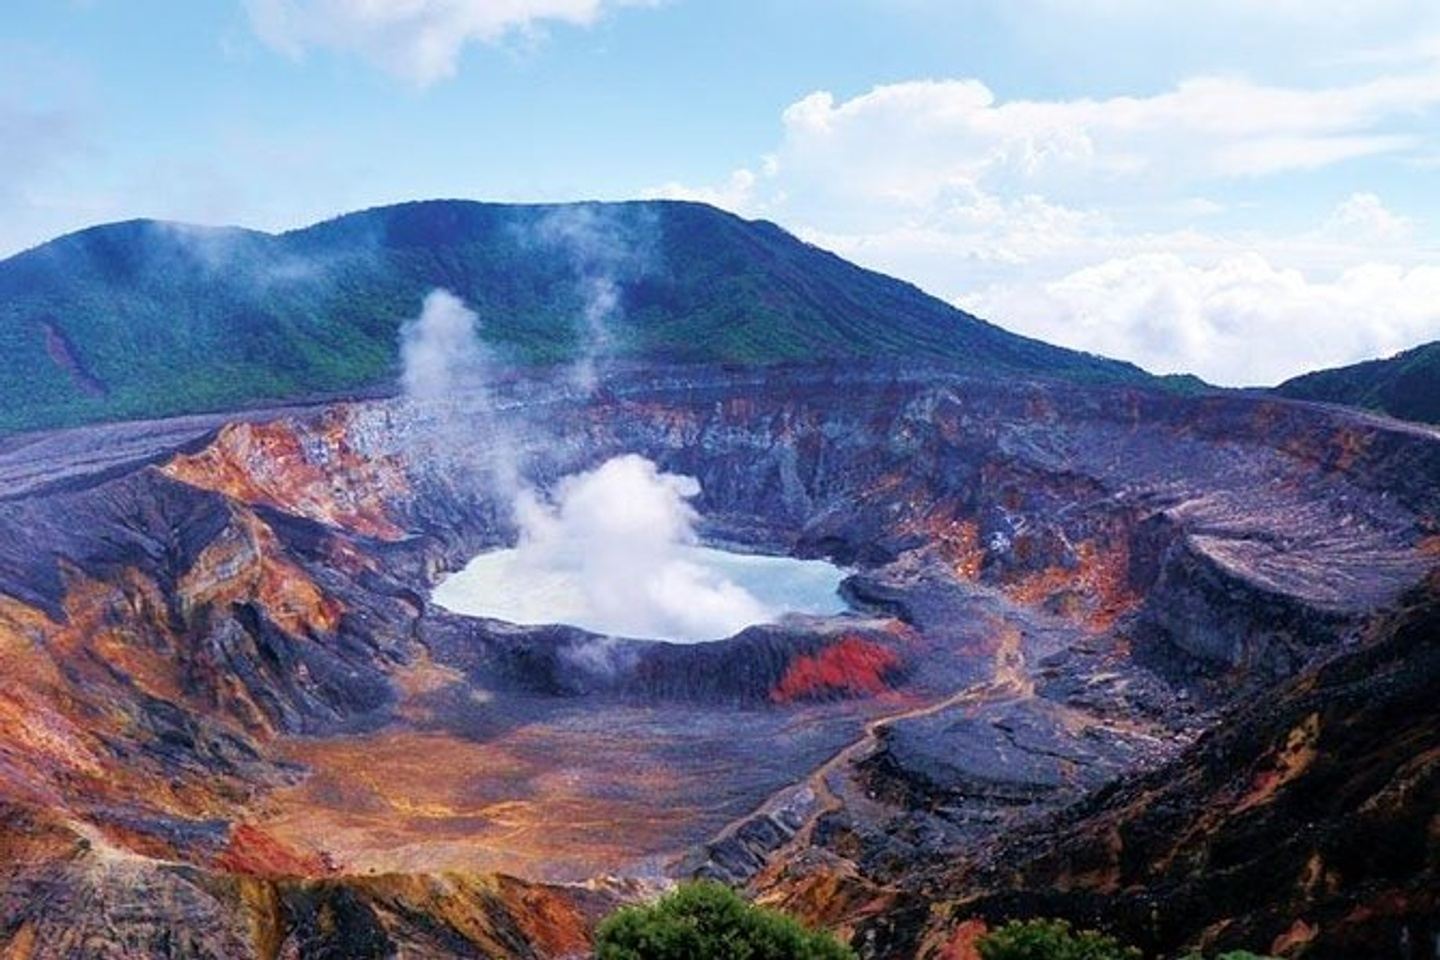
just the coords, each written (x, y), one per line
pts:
(1057, 940)
(708, 921)
(1051, 940)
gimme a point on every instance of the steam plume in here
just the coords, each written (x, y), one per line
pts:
(603, 250)
(443, 360)
(440, 349)
(621, 530)
(612, 550)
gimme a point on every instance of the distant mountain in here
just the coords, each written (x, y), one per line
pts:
(1406, 385)
(146, 318)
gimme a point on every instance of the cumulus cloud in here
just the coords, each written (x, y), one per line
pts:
(419, 40)
(979, 231)
(737, 193)
(1113, 224)
(1364, 218)
(1241, 321)
(933, 144)
(916, 144)
(1238, 309)
(913, 142)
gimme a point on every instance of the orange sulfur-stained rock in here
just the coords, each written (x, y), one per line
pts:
(252, 851)
(852, 667)
(246, 563)
(314, 474)
(964, 943)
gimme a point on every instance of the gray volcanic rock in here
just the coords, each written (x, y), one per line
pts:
(1017, 753)
(223, 664)
(1301, 823)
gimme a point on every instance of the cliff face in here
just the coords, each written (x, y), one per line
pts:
(68, 894)
(234, 725)
(1303, 824)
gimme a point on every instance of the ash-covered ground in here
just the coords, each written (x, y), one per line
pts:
(235, 721)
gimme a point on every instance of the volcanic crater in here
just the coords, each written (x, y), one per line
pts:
(236, 718)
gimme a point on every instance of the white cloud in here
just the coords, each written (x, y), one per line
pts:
(1240, 309)
(419, 40)
(1110, 224)
(911, 142)
(1363, 218)
(974, 230)
(737, 193)
(1241, 321)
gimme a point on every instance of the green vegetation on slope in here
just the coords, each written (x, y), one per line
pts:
(1051, 940)
(1057, 940)
(148, 319)
(1406, 386)
(708, 920)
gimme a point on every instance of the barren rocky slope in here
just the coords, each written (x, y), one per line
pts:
(234, 725)
(1303, 823)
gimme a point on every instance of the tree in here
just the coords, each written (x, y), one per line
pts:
(1051, 940)
(708, 920)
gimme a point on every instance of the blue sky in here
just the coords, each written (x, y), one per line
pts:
(1242, 188)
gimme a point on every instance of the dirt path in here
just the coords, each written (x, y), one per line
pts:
(1010, 680)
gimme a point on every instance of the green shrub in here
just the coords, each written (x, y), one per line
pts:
(708, 921)
(1051, 940)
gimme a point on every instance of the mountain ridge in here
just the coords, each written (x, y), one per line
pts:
(1405, 385)
(146, 318)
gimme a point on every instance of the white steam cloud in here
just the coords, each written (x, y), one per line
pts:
(440, 350)
(417, 40)
(443, 360)
(602, 251)
(602, 300)
(613, 550)
(620, 532)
